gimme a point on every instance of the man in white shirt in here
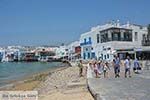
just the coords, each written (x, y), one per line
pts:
(127, 65)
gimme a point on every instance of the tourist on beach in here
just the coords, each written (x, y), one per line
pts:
(116, 63)
(127, 65)
(95, 69)
(136, 66)
(105, 69)
(90, 70)
(99, 67)
(80, 65)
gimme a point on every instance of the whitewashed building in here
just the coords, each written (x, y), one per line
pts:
(61, 52)
(86, 42)
(102, 42)
(74, 51)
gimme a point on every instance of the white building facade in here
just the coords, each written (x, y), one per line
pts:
(73, 53)
(86, 43)
(103, 42)
(61, 52)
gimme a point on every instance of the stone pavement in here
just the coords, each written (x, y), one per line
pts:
(135, 88)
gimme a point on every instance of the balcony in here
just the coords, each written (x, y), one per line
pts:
(116, 39)
(86, 43)
(146, 40)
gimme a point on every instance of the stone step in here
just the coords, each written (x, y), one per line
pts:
(78, 84)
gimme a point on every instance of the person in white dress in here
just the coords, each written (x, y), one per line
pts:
(105, 69)
(100, 67)
(90, 70)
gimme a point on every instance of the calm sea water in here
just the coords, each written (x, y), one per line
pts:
(11, 71)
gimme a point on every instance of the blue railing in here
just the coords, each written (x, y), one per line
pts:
(86, 43)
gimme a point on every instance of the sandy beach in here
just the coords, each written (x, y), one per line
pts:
(62, 83)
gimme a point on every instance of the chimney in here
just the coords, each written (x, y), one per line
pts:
(128, 23)
(118, 23)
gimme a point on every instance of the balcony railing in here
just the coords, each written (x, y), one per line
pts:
(86, 43)
(146, 42)
(116, 39)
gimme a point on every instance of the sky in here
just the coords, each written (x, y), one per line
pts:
(52, 22)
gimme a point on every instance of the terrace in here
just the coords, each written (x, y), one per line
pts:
(146, 40)
(116, 34)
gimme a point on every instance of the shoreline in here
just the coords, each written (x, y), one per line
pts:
(30, 82)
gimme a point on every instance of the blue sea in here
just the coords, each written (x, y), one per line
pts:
(10, 71)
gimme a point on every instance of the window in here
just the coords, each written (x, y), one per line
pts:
(136, 36)
(90, 39)
(108, 48)
(144, 37)
(66, 49)
(116, 36)
(84, 40)
(88, 55)
(141, 27)
(93, 55)
(98, 38)
(127, 36)
(107, 56)
(86, 49)
(104, 37)
(84, 55)
(102, 56)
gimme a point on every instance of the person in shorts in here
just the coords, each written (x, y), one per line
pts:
(80, 65)
(105, 69)
(127, 65)
(116, 63)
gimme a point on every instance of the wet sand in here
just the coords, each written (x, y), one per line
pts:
(29, 82)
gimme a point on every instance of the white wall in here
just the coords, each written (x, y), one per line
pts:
(98, 47)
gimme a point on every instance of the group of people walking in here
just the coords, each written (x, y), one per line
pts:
(103, 68)
(98, 68)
